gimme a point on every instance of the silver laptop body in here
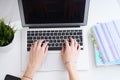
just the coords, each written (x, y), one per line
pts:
(36, 20)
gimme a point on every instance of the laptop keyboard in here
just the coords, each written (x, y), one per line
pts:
(55, 37)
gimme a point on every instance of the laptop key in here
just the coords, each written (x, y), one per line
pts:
(28, 49)
(29, 41)
(29, 37)
(54, 48)
(81, 44)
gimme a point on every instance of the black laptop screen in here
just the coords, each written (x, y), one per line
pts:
(53, 11)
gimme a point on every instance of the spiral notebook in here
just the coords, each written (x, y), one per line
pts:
(99, 61)
(106, 39)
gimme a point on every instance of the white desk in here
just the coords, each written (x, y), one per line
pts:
(100, 11)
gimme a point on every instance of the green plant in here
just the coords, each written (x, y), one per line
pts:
(6, 33)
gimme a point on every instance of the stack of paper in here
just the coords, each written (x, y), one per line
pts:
(106, 38)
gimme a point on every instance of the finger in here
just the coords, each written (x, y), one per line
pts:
(46, 50)
(45, 44)
(71, 41)
(31, 48)
(31, 51)
(75, 43)
(62, 51)
(66, 43)
(40, 43)
(35, 44)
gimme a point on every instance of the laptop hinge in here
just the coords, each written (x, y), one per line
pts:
(75, 26)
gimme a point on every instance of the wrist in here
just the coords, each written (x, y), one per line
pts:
(71, 66)
(30, 71)
(26, 78)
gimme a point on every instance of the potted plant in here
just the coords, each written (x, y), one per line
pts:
(6, 35)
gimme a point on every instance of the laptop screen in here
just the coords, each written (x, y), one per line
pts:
(53, 11)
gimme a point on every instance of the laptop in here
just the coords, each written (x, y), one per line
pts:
(54, 21)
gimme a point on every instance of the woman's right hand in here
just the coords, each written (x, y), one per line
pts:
(38, 54)
(70, 53)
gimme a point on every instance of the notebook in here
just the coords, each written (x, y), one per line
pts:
(106, 39)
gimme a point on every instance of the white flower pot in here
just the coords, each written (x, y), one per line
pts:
(6, 48)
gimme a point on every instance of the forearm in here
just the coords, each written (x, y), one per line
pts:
(73, 73)
(29, 73)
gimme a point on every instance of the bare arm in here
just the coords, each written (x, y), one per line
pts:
(73, 74)
(69, 55)
(37, 55)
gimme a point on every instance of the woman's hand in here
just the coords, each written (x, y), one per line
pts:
(38, 53)
(70, 53)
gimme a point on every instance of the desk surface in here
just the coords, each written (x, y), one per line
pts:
(100, 11)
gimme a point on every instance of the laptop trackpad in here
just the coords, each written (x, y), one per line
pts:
(54, 62)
